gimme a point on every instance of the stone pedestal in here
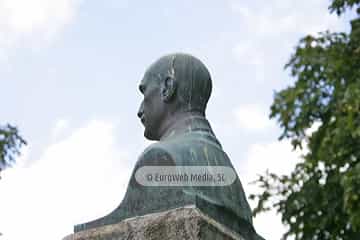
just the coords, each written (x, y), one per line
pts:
(178, 224)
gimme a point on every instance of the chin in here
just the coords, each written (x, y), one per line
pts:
(148, 135)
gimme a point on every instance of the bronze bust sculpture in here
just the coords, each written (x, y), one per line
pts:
(176, 90)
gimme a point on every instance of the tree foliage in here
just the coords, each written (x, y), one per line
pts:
(320, 198)
(10, 144)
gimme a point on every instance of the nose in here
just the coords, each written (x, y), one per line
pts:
(141, 110)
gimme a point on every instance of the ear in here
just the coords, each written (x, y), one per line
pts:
(168, 89)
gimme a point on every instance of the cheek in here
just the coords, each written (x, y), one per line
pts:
(151, 102)
(147, 106)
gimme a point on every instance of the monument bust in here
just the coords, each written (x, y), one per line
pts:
(176, 90)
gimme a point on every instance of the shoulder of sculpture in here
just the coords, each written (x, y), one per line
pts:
(156, 148)
(156, 154)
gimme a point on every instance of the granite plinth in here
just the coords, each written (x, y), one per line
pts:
(181, 223)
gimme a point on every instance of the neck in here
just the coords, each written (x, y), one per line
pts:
(183, 122)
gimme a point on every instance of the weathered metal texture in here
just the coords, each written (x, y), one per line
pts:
(173, 112)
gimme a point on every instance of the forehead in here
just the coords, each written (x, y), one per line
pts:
(155, 72)
(148, 81)
(148, 78)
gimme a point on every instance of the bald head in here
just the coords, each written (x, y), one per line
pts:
(190, 78)
(174, 85)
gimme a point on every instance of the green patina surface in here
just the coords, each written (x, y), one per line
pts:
(189, 141)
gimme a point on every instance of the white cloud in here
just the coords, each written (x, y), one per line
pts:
(27, 16)
(33, 20)
(279, 17)
(253, 117)
(277, 157)
(244, 52)
(60, 126)
(270, 30)
(76, 180)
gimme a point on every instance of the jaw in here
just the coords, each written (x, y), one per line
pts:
(150, 135)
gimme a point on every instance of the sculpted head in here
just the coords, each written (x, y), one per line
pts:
(175, 84)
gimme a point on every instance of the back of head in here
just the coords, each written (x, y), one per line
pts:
(192, 79)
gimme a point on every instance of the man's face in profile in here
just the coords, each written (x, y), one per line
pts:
(151, 112)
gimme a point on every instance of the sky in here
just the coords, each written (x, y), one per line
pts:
(69, 75)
